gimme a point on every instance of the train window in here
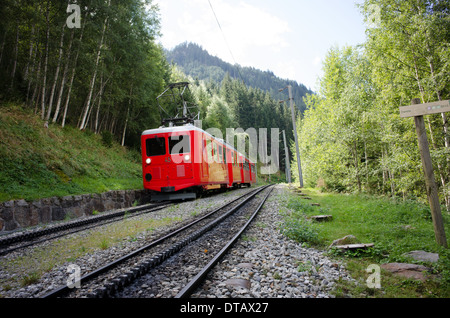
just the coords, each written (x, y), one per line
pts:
(209, 151)
(155, 146)
(179, 144)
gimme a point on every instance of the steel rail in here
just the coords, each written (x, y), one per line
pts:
(62, 290)
(196, 281)
(109, 217)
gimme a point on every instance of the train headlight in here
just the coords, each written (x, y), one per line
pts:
(187, 158)
(148, 161)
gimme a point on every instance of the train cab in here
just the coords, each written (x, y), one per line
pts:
(167, 160)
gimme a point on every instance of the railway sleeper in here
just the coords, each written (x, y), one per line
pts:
(123, 280)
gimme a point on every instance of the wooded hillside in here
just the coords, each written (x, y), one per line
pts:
(196, 62)
(100, 70)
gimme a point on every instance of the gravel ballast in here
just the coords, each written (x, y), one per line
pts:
(266, 264)
(262, 264)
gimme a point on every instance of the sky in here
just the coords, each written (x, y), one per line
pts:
(288, 37)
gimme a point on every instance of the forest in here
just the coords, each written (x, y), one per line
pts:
(92, 64)
(104, 73)
(101, 71)
(352, 136)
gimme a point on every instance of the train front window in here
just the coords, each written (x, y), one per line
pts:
(179, 144)
(156, 146)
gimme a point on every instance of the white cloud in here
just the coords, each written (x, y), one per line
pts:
(244, 26)
(317, 60)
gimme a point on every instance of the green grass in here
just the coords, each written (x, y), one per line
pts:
(394, 226)
(36, 162)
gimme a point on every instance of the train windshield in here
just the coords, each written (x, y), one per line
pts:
(179, 144)
(156, 146)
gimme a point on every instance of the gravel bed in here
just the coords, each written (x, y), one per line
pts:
(174, 274)
(266, 264)
(262, 264)
(11, 279)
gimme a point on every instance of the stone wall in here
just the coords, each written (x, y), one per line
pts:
(18, 214)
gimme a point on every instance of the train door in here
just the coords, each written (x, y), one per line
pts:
(206, 153)
(179, 159)
(229, 163)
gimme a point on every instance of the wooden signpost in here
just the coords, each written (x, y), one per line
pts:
(417, 111)
(425, 109)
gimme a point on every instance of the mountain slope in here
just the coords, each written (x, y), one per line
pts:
(199, 64)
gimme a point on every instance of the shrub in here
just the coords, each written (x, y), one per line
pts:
(107, 138)
(298, 228)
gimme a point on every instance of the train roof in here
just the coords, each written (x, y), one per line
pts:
(164, 130)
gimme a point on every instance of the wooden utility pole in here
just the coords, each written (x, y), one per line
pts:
(300, 174)
(291, 100)
(417, 111)
(286, 156)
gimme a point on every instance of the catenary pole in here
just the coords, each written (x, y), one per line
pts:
(291, 99)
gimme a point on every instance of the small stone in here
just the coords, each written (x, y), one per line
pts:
(239, 282)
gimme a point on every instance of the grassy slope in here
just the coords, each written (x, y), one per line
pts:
(396, 227)
(36, 162)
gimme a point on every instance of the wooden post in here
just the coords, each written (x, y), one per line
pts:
(299, 164)
(432, 193)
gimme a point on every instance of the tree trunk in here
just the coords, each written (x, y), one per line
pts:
(66, 106)
(3, 46)
(28, 73)
(30, 55)
(63, 80)
(128, 115)
(91, 86)
(125, 127)
(16, 53)
(98, 107)
(45, 62)
(55, 81)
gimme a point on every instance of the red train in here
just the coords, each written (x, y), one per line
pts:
(182, 162)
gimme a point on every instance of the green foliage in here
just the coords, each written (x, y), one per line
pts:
(107, 139)
(299, 229)
(352, 136)
(109, 70)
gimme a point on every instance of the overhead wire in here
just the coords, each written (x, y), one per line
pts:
(226, 42)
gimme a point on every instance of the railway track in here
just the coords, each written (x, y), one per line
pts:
(161, 258)
(17, 241)
(200, 277)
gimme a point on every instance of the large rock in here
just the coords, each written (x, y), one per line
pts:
(423, 256)
(414, 271)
